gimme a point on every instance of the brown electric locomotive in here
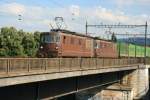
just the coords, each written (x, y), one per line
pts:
(105, 48)
(63, 43)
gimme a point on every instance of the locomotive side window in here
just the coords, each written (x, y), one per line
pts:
(88, 44)
(72, 40)
(79, 41)
(64, 39)
(97, 44)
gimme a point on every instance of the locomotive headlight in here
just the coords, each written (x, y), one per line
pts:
(41, 47)
(56, 48)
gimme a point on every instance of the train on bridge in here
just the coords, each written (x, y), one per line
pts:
(64, 43)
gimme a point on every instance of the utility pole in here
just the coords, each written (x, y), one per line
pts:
(128, 43)
(86, 28)
(145, 43)
(135, 45)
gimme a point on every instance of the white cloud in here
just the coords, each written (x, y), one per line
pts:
(13, 8)
(39, 18)
(122, 3)
(108, 15)
(32, 12)
(119, 16)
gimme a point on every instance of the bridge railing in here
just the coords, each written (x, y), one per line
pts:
(148, 61)
(26, 66)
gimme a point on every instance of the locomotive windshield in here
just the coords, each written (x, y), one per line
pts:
(50, 38)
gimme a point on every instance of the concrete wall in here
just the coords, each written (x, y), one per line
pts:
(134, 85)
(140, 81)
(117, 95)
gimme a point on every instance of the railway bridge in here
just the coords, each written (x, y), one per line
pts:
(51, 78)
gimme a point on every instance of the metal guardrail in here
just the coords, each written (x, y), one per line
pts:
(26, 66)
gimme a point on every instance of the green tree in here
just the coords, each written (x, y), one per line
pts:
(37, 38)
(2, 50)
(18, 43)
(21, 33)
(10, 42)
(29, 45)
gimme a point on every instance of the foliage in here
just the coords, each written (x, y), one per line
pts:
(29, 44)
(37, 38)
(17, 43)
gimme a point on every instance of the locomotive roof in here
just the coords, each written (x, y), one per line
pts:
(97, 38)
(70, 32)
(74, 33)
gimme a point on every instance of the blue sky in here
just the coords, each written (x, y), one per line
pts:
(38, 14)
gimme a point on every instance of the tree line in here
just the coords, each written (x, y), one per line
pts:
(17, 43)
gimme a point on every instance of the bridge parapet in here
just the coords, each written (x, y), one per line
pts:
(27, 66)
(148, 61)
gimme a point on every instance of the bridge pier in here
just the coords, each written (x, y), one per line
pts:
(117, 92)
(139, 81)
(134, 85)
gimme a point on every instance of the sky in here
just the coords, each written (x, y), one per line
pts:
(39, 15)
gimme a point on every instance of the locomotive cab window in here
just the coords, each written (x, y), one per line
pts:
(50, 38)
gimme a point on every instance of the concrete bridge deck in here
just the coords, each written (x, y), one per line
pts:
(49, 78)
(25, 70)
